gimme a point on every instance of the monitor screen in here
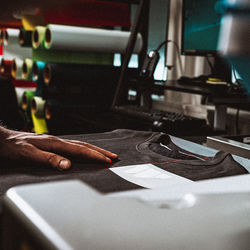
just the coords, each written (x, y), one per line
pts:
(201, 25)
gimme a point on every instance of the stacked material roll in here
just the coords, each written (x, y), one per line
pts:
(23, 84)
(61, 56)
(37, 106)
(30, 22)
(27, 69)
(20, 91)
(75, 78)
(5, 67)
(12, 48)
(71, 44)
(17, 68)
(37, 72)
(71, 38)
(37, 37)
(13, 52)
(9, 114)
(64, 118)
(38, 115)
(26, 99)
(89, 12)
(85, 84)
(25, 37)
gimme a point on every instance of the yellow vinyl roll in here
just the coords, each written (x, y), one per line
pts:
(39, 124)
(31, 21)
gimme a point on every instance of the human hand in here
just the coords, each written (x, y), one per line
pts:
(48, 150)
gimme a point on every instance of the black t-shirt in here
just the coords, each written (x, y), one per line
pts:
(133, 147)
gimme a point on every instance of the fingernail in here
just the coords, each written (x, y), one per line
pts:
(114, 155)
(64, 164)
(108, 160)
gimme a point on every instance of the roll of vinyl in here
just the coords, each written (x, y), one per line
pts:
(5, 67)
(39, 124)
(23, 83)
(10, 22)
(17, 69)
(9, 112)
(1, 36)
(31, 21)
(26, 99)
(62, 118)
(12, 48)
(37, 70)
(73, 73)
(25, 38)
(85, 84)
(59, 56)
(37, 106)
(72, 38)
(89, 12)
(38, 37)
(27, 69)
(19, 94)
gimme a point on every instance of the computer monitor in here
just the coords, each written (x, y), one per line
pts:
(201, 26)
(200, 34)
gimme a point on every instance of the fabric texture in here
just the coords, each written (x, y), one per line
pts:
(133, 147)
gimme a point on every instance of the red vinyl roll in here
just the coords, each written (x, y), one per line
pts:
(89, 12)
(23, 83)
(13, 23)
(1, 50)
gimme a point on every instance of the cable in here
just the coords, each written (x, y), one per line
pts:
(161, 44)
(168, 41)
(177, 48)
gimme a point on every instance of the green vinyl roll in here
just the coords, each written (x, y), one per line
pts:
(19, 94)
(26, 99)
(27, 69)
(60, 56)
(25, 37)
(37, 106)
(38, 37)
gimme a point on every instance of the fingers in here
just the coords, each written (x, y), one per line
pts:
(101, 150)
(60, 146)
(81, 151)
(46, 158)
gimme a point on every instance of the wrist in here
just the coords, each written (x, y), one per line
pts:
(5, 133)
